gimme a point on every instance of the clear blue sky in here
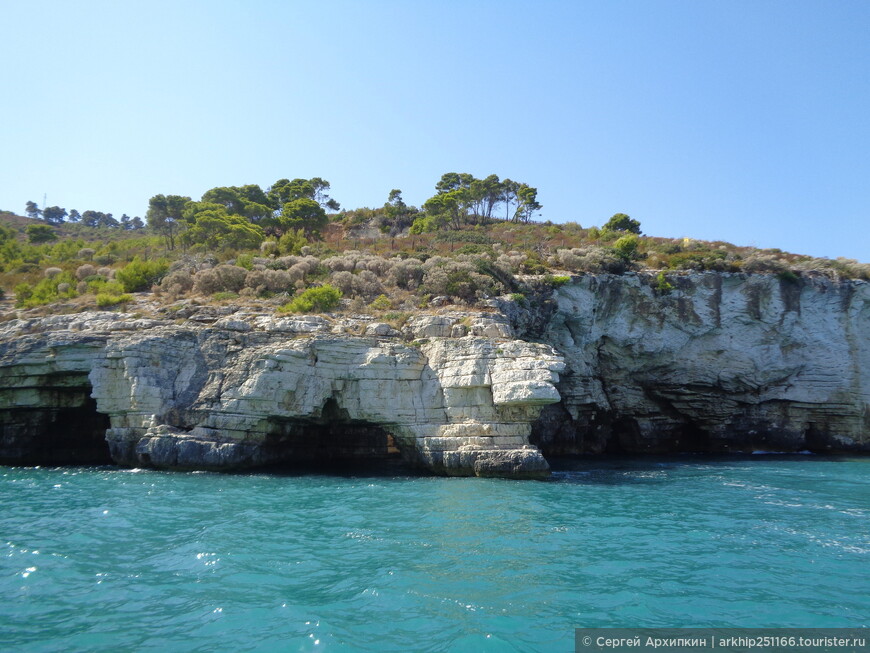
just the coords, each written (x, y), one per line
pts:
(745, 121)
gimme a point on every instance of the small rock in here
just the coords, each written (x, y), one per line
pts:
(381, 329)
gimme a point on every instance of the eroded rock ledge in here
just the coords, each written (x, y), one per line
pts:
(254, 391)
(722, 363)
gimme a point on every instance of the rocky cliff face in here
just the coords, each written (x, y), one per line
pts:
(253, 391)
(721, 363)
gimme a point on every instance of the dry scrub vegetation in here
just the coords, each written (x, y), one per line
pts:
(371, 264)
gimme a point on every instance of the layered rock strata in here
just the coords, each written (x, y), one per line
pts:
(253, 391)
(721, 363)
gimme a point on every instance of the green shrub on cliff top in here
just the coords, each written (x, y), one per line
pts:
(58, 286)
(317, 300)
(381, 303)
(104, 300)
(626, 247)
(556, 281)
(23, 292)
(139, 275)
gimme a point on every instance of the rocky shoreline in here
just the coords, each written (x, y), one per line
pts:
(606, 364)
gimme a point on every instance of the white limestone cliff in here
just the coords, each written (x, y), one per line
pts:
(246, 393)
(722, 363)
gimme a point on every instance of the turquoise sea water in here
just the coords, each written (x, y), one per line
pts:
(104, 559)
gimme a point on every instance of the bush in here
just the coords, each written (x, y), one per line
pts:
(533, 265)
(381, 303)
(105, 259)
(245, 261)
(139, 275)
(99, 285)
(298, 271)
(263, 281)
(471, 248)
(40, 233)
(364, 284)
(377, 265)
(46, 291)
(458, 279)
(227, 278)
(759, 262)
(320, 300)
(269, 247)
(626, 247)
(662, 284)
(105, 300)
(292, 242)
(407, 274)
(463, 236)
(788, 277)
(85, 271)
(345, 263)
(590, 259)
(512, 260)
(23, 292)
(177, 283)
(51, 273)
(556, 281)
(716, 260)
(367, 284)
(220, 296)
(352, 261)
(343, 280)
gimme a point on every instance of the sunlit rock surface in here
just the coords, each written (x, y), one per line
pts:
(239, 393)
(722, 363)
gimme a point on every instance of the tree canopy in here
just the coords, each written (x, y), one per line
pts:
(463, 199)
(99, 219)
(32, 210)
(240, 216)
(40, 233)
(621, 222)
(284, 190)
(54, 214)
(165, 213)
(303, 213)
(215, 228)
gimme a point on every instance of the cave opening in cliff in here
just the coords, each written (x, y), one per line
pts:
(63, 427)
(334, 442)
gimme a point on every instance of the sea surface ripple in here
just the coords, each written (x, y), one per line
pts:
(107, 559)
